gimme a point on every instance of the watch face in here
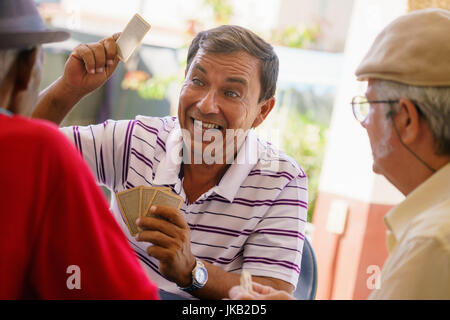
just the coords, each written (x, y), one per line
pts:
(201, 275)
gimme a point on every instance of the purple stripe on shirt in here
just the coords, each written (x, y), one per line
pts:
(282, 232)
(258, 203)
(270, 172)
(141, 157)
(139, 138)
(102, 166)
(75, 140)
(153, 130)
(95, 153)
(79, 140)
(140, 175)
(285, 264)
(127, 148)
(125, 151)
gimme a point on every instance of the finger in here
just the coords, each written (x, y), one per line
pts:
(239, 293)
(110, 50)
(171, 214)
(155, 237)
(160, 253)
(99, 55)
(261, 289)
(116, 35)
(166, 227)
(84, 53)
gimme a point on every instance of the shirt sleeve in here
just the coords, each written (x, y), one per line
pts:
(421, 272)
(104, 148)
(79, 251)
(274, 249)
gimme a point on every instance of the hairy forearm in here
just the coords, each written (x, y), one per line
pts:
(55, 102)
(220, 282)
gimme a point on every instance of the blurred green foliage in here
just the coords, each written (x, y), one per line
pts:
(156, 87)
(222, 10)
(304, 139)
(296, 36)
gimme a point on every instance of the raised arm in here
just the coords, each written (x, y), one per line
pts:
(88, 67)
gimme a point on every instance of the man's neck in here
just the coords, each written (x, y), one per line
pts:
(199, 178)
(414, 177)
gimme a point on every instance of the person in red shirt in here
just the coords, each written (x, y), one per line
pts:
(58, 239)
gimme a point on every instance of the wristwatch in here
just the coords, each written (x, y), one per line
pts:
(199, 277)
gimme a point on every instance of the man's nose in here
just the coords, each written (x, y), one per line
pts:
(208, 103)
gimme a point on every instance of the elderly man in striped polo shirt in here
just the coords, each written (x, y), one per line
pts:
(245, 202)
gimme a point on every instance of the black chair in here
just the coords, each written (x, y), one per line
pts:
(307, 281)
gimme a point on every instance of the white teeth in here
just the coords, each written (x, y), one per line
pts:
(205, 125)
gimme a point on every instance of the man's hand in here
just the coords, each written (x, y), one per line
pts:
(88, 67)
(91, 64)
(171, 241)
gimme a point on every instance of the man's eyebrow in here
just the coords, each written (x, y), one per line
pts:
(239, 80)
(243, 81)
(200, 68)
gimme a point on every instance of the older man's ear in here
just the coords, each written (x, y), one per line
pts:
(265, 108)
(408, 122)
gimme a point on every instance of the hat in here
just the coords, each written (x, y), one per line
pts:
(21, 26)
(414, 49)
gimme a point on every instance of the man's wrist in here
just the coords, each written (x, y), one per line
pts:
(199, 277)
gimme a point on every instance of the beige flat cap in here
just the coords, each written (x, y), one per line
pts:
(414, 49)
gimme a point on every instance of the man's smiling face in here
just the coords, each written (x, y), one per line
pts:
(220, 92)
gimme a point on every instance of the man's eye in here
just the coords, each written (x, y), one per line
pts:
(197, 82)
(231, 94)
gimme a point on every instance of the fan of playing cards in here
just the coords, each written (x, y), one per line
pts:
(136, 202)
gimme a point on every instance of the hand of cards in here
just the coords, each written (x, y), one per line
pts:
(136, 202)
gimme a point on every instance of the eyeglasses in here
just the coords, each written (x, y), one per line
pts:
(361, 106)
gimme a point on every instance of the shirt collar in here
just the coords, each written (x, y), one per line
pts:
(167, 172)
(245, 161)
(431, 192)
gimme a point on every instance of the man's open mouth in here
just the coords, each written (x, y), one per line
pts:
(205, 125)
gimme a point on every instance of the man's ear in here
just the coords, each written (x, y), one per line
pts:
(265, 108)
(24, 67)
(407, 121)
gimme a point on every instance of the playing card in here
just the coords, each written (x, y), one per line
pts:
(246, 281)
(146, 198)
(129, 205)
(131, 37)
(164, 198)
(168, 199)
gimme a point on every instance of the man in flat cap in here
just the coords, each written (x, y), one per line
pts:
(50, 208)
(406, 112)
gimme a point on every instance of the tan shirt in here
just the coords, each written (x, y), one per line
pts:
(418, 240)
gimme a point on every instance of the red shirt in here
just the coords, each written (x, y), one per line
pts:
(54, 217)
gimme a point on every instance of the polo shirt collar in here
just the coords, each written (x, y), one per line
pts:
(168, 170)
(246, 159)
(431, 192)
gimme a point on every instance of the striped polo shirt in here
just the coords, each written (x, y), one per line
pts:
(253, 219)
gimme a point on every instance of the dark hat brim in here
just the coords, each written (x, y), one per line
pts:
(20, 40)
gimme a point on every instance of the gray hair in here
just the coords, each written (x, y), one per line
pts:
(433, 103)
(7, 58)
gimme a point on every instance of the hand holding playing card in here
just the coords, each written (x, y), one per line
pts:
(90, 65)
(171, 241)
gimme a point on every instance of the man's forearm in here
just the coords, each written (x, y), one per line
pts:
(55, 102)
(220, 282)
